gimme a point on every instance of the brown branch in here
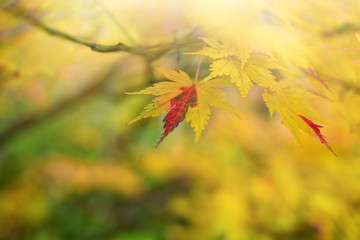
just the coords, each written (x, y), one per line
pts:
(17, 11)
(150, 52)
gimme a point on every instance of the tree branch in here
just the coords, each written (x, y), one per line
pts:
(150, 52)
(19, 12)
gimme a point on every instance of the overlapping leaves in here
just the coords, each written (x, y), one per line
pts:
(236, 66)
(244, 68)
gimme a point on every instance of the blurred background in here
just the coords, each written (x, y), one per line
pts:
(71, 169)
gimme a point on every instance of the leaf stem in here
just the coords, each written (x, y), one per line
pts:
(198, 67)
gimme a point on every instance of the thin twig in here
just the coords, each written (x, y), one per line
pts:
(113, 18)
(198, 67)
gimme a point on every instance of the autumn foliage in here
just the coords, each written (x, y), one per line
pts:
(233, 67)
(178, 108)
(268, 89)
(183, 97)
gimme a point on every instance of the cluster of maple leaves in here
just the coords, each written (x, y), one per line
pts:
(183, 98)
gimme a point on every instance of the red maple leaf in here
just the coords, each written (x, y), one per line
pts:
(178, 108)
(316, 129)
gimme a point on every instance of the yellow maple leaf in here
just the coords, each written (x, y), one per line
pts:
(217, 49)
(357, 36)
(165, 91)
(243, 67)
(209, 95)
(256, 70)
(290, 102)
(182, 98)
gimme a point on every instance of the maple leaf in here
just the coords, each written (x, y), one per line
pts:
(182, 98)
(165, 91)
(178, 108)
(292, 103)
(243, 67)
(218, 49)
(243, 77)
(209, 95)
(316, 129)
